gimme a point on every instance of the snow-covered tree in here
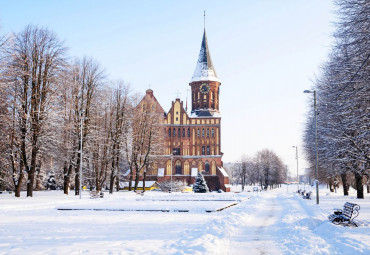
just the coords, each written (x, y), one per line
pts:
(200, 185)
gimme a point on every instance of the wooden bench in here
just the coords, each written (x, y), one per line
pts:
(96, 194)
(308, 195)
(346, 216)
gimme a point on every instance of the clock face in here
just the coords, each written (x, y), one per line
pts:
(204, 88)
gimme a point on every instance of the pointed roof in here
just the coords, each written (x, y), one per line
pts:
(204, 70)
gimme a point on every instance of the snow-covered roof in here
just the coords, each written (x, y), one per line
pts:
(206, 113)
(223, 171)
(140, 184)
(204, 70)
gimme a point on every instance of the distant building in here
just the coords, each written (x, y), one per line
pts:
(193, 141)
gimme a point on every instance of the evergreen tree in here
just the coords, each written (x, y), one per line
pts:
(200, 185)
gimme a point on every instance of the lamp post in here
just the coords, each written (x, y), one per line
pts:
(316, 158)
(296, 155)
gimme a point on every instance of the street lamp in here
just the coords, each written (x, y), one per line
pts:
(316, 158)
(80, 172)
(296, 155)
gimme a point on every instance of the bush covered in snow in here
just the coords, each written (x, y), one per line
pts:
(177, 186)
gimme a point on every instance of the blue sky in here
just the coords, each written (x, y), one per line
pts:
(265, 53)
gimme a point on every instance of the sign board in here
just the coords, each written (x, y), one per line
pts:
(160, 172)
(194, 172)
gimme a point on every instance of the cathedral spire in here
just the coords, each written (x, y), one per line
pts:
(204, 70)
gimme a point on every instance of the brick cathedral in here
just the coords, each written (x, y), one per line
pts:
(192, 140)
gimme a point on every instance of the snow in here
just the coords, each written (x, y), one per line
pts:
(273, 222)
(223, 171)
(203, 73)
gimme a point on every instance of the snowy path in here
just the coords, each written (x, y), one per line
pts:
(256, 235)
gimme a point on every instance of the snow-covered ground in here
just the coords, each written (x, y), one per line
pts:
(273, 222)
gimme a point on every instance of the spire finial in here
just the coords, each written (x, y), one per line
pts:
(204, 20)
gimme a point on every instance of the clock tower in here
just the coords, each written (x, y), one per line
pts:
(205, 85)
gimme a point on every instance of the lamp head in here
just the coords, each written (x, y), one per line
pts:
(308, 91)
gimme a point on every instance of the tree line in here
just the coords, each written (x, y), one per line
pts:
(343, 103)
(265, 169)
(51, 105)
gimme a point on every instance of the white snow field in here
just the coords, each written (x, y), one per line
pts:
(273, 222)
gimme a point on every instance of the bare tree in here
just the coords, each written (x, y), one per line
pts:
(36, 59)
(144, 140)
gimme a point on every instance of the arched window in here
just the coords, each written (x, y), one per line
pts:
(188, 132)
(174, 132)
(208, 152)
(203, 150)
(207, 167)
(198, 132)
(183, 132)
(169, 132)
(168, 167)
(179, 133)
(207, 132)
(203, 132)
(213, 133)
(178, 167)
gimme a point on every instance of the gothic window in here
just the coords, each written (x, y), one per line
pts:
(174, 132)
(198, 132)
(176, 151)
(213, 133)
(183, 132)
(188, 132)
(203, 150)
(207, 132)
(169, 132)
(207, 167)
(203, 132)
(208, 151)
(179, 133)
(178, 167)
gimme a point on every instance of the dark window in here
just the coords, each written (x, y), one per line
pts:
(198, 133)
(178, 167)
(169, 132)
(207, 167)
(207, 132)
(188, 132)
(213, 133)
(203, 150)
(174, 132)
(208, 152)
(176, 151)
(179, 133)
(183, 132)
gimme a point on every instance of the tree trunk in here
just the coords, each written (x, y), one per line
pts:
(137, 176)
(117, 183)
(77, 183)
(130, 180)
(144, 180)
(330, 182)
(345, 185)
(112, 177)
(359, 185)
(30, 180)
(17, 189)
